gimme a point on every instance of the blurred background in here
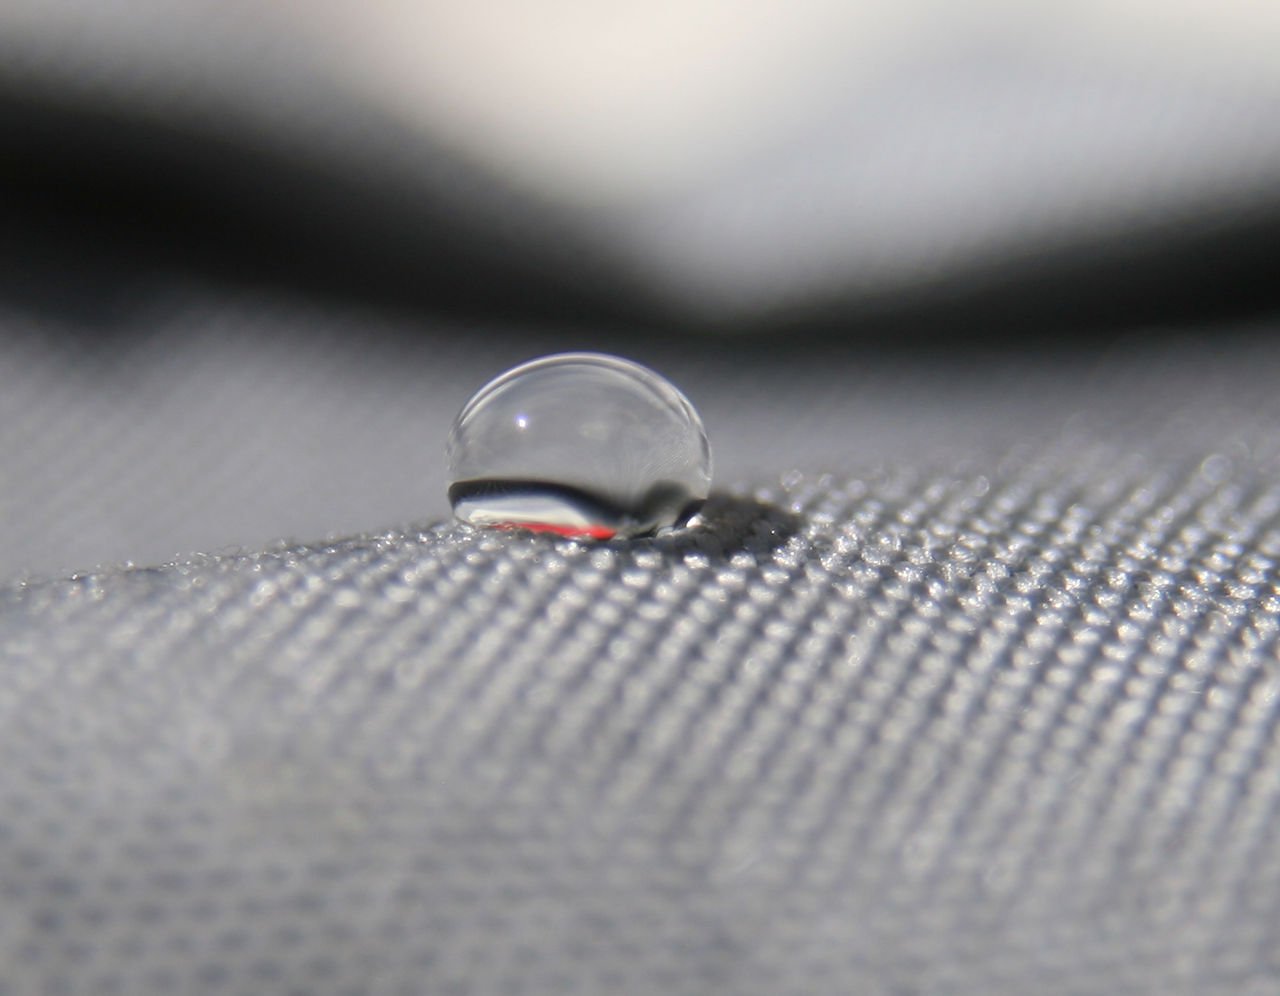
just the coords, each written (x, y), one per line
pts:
(255, 256)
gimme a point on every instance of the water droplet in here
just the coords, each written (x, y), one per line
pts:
(578, 444)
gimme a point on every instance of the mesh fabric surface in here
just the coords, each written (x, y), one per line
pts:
(1007, 729)
(968, 684)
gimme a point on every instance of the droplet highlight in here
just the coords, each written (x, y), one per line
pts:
(578, 444)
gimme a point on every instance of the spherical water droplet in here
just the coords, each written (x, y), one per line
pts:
(578, 444)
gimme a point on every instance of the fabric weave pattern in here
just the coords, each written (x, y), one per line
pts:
(893, 733)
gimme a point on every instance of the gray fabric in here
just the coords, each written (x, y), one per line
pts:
(211, 420)
(968, 684)
(1004, 725)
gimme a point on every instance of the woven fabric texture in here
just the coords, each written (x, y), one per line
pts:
(967, 684)
(1006, 727)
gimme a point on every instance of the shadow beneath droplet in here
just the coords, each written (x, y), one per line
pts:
(727, 525)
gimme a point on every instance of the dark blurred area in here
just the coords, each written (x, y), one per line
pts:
(103, 200)
(252, 262)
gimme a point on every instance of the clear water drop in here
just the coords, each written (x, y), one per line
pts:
(578, 444)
